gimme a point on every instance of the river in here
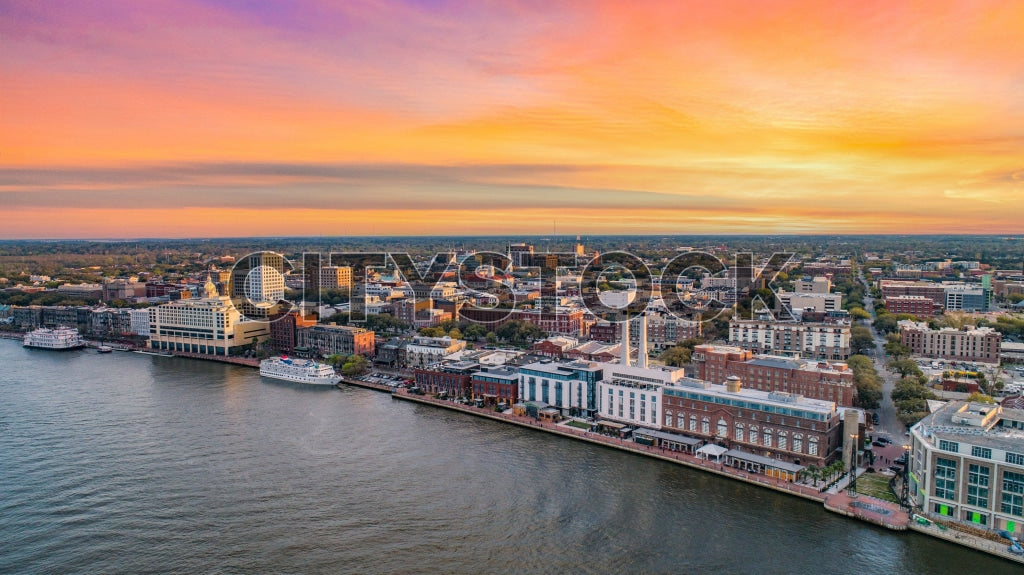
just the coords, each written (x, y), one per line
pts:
(129, 463)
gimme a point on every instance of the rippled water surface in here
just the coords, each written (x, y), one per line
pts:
(128, 463)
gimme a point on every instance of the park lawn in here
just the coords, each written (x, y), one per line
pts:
(876, 485)
(578, 424)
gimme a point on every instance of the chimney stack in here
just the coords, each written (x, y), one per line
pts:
(733, 384)
(641, 356)
(625, 341)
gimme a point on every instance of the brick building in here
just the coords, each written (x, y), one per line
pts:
(494, 385)
(284, 331)
(828, 381)
(979, 344)
(918, 305)
(452, 378)
(324, 340)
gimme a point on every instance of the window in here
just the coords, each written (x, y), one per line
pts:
(977, 485)
(1013, 493)
(812, 446)
(679, 421)
(739, 432)
(783, 440)
(705, 425)
(945, 478)
(693, 423)
(982, 452)
(767, 437)
(949, 445)
(1014, 458)
(798, 443)
(753, 434)
(668, 419)
(723, 428)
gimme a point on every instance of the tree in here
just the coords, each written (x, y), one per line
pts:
(491, 337)
(435, 331)
(861, 339)
(475, 332)
(897, 350)
(859, 313)
(355, 365)
(335, 359)
(454, 333)
(906, 367)
(980, 398)
(675, 356)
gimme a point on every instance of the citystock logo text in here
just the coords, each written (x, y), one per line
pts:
(491, 287)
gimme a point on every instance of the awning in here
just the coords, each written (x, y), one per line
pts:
(762, 460)
(611, 425)
(712, 450)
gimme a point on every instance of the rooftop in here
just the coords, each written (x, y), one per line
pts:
(974, 423)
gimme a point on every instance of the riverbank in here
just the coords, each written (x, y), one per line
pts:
(861, 507)
(680, 458)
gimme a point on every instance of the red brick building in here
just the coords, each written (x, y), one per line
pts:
(284, 331)
(553, 346)
(913, 304)
(453, 379)
(894, 288)
(829, 381)
(565, 322)
(496, 385)
(966, 344)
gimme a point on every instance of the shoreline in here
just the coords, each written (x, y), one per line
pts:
(868, 509)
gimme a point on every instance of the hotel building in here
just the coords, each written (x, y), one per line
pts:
(967, 465)
(210, 325)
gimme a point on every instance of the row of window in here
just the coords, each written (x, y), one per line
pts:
(741, 433)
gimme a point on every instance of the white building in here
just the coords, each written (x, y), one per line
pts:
(821, 302)
(140, 322)
(967, 465)
(819, 284)
(812, 340)
(633, 395)
(423, 351)
(210, 325)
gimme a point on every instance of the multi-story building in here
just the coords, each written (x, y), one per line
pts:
(842, 268)
(809, 284)
(913, 304)
(933, 291)
(331, 339)
(664, 330)
(140, 322)
(423, 351)
(564, 320)
(761, 429)
(111, 322)
(632, 395)
(797, 302)
(123, 289)
(84, 291)
(257, 285)
(967, 465)
(452, 377)
(284, 330)
(829, 340)
(829, 381)
(495, 385)
(965, 344)
(209, 325)
(570, 387)
(334, 277)
(968, 298)
(554, 346)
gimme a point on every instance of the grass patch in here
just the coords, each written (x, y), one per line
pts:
(876, 485)
(578, 424)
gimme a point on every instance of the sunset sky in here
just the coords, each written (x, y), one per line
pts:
(265, 118)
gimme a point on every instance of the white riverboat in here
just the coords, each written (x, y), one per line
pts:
(57, 338)
(299, 371)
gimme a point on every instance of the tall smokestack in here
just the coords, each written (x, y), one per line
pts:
(625, 341)
(641, 355)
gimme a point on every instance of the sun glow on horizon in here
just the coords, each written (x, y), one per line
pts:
(188, 118)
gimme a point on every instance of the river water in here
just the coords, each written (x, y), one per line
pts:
(129, 463)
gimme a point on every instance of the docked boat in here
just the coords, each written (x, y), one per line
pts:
(104, 349)
(299, 371)
(60, 338)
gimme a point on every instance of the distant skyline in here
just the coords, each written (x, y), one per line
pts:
(236, 118)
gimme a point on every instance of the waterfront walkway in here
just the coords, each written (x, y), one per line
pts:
(679, 457)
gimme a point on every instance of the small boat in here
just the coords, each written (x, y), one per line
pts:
(104, 349)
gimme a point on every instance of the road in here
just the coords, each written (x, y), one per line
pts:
(888, 425)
